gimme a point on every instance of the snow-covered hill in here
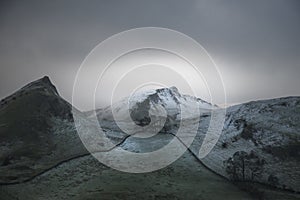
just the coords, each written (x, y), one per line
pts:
(260, 142)
(156, 105)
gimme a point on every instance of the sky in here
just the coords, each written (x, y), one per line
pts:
(255, 44)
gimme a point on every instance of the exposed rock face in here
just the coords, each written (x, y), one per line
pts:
(36, 131)
(155, 103)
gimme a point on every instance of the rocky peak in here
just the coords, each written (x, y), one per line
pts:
(43, 84)
(171, 90)
(39, 95)
(40, 86)
(169, 98)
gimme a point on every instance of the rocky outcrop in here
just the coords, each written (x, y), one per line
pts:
(156, 104)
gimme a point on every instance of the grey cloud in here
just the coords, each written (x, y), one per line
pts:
(256, 44)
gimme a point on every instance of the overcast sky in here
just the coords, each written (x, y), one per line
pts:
(255, 43)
